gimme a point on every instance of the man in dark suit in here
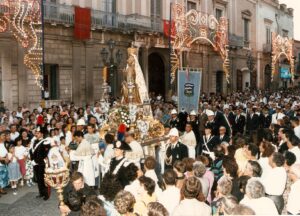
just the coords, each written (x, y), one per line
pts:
(252, 121)
(38, 154)
(222, 135)
(239, 122)
(118, 163)
(265, 118)
(207, 142)
(211, 123)
(221, 120)
(176, 150)
(202, 117)
(174, 120)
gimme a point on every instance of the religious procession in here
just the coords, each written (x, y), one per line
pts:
(181, 117)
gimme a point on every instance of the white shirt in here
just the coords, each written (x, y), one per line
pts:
(277, 116)
(14, 135)
(275, 181)
(293, 206)
(192, 207)
(134, 188)
(297, 131)
(189, 139)
(136, 154)
(20, 152)
(151, 174)
(296, 151)
(3, 152)
(266, 168)
(170, 198)
(261, 206)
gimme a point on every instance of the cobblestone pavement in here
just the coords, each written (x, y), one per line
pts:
(26, 203)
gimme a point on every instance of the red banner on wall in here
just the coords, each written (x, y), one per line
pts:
(82, 27)
(167, 29)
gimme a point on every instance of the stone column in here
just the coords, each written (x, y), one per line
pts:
(89, 78)
(22, 77)
(205, 73)
(76, 73)
(145, 65)
(6, 77)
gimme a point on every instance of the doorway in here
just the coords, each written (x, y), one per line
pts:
(219, 82)
(268, 77)
(51, 81)
(156, 74)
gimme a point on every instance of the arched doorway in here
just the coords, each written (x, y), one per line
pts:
(156, 74)
(268, 71)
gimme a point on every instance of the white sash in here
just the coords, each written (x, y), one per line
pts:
(205, 142)
(119, 166)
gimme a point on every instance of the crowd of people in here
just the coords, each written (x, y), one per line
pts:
(235, 155)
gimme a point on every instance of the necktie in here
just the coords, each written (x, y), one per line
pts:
(277, 116)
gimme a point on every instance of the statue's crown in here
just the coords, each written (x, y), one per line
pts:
(132, 51)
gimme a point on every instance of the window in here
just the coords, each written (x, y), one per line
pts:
(51, 81)
(155, 8)
(285, 33)
(191, 5)
(246, 32)
(268, 35)
(219, 13)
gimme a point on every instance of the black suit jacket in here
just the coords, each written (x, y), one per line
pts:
(221, 121)
(239, 124)
(265, 121)
(179, 152)
(225, 138)
(211, 142)
(252, 123)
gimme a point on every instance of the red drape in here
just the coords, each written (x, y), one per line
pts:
(167, 28)
(82, 28)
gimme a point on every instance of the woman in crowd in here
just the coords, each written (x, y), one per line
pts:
(109, 188)
(124, 203)
(193, 201)
(146, 195)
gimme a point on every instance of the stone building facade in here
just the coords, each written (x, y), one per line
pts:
(73, 69)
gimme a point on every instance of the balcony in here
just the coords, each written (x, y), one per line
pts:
(64, 14)
(267, 48)
(236, 41)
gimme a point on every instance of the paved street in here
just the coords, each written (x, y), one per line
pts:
(26, 204)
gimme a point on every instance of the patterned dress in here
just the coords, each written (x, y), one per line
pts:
(28, 167)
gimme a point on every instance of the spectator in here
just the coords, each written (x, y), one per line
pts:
(170, 197)
(256, 200)
(192, 203)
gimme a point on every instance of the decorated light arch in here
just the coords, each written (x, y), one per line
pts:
(282, 46)
(23, 19)
(192, 26)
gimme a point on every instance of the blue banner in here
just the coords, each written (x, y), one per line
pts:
(189, 86)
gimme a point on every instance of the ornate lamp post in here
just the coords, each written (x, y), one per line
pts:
(111, 61)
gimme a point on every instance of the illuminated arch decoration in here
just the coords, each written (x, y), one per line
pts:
(23, 19)
(282, 46)
(193, 26)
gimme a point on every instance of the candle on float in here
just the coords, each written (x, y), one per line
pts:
(105, 74)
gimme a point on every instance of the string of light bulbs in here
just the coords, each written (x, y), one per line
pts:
(24, 19)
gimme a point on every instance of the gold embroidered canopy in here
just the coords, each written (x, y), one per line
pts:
(23, 19)
(193, 26)
(282, 46)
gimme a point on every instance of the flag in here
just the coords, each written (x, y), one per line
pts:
(82, 28)
(167, 28)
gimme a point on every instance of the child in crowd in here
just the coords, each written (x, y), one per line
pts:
(29, 169)
(14, 173)
(20, 152)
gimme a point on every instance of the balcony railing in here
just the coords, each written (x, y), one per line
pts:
(64, 14)
(267, 48)
(236, 41)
